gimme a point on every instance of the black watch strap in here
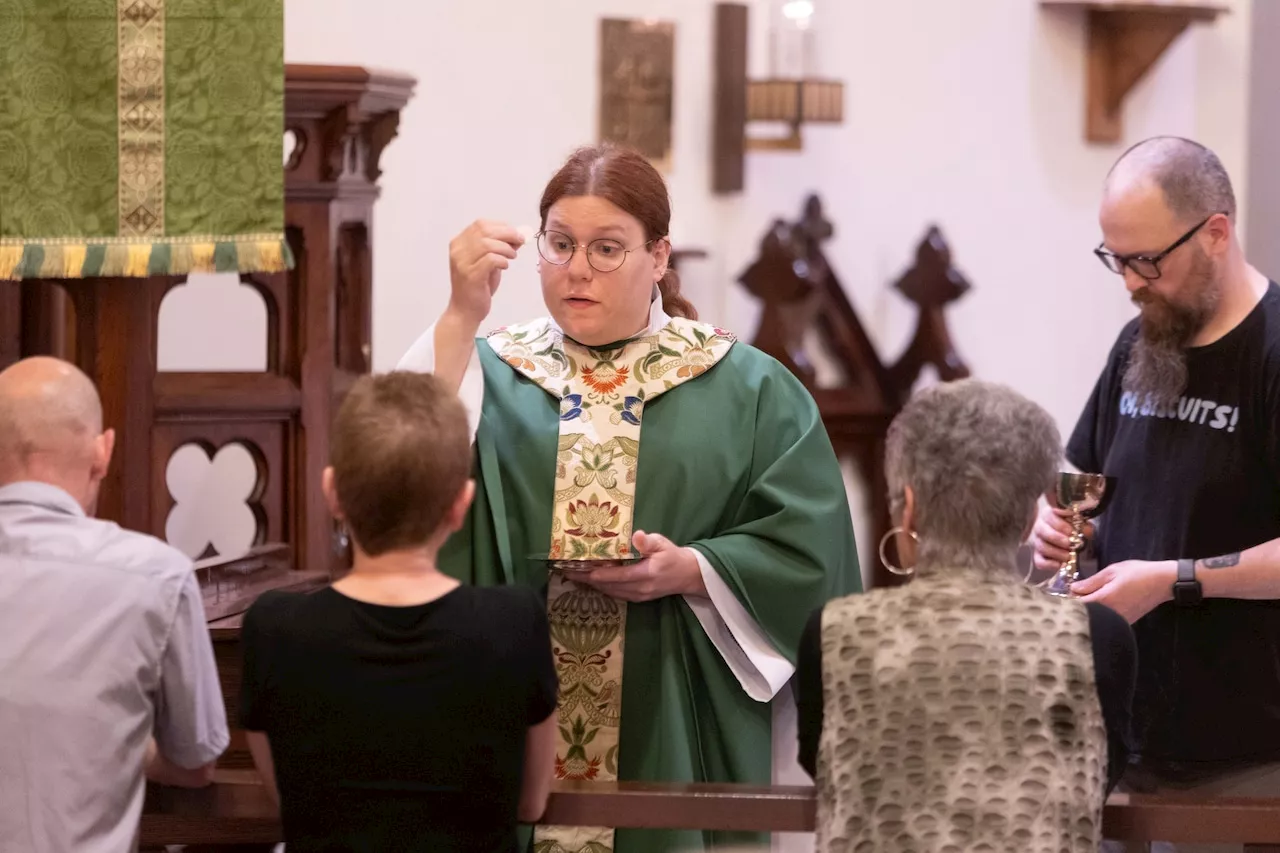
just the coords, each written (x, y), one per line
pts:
(1186, 589)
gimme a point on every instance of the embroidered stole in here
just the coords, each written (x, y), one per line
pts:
(602, 395)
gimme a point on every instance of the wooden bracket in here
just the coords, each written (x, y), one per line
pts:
(1126, 38)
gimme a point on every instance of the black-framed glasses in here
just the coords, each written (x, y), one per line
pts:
(603, 254)
(1146, 266)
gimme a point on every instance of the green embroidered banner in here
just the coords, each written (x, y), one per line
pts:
(141, 137)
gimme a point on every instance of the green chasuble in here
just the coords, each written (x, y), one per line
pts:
(735, 463)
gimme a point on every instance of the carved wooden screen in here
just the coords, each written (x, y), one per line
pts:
(803, 299)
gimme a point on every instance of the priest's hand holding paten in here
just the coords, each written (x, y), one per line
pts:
(671, 488)
(666, 569)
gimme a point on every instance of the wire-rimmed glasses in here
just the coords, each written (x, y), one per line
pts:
(603, 254)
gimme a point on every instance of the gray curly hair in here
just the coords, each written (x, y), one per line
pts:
(977, 455)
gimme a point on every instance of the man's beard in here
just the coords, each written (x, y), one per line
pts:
(1157, 368)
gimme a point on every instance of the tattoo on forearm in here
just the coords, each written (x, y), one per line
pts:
(1225, 561)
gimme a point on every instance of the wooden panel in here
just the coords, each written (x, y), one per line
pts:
(10, 323)
(183, 394)
(237, 810)
(116, 323)
(641, 805)
(277, 292)
(729, 131)
(316, 325)
(353, 297)
(47, 316)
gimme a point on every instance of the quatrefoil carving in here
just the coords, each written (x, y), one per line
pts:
(215, 494)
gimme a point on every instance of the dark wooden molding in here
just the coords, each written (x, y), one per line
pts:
(236, 810)
(728, 132)
(339, 130)
(378, 134)
(10, 322)
(1125, 39)
(313, 91)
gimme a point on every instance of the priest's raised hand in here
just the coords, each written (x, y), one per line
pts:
(666, 569)
(477, 258)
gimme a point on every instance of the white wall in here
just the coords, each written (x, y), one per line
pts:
(1264, 139)
(967, 114)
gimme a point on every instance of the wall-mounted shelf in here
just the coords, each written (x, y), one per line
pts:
(740, 101)
(1126, 37)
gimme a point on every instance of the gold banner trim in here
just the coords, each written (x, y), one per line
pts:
(140, 106)
(129, 241)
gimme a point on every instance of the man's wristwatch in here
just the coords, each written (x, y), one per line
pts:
(1186, 589)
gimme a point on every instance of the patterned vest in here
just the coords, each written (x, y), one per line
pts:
(959, 712)
(602, 395)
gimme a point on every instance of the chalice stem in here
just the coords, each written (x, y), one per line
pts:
(1072, 566)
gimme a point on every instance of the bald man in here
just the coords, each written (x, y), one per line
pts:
(1186, 416)
(106, 669)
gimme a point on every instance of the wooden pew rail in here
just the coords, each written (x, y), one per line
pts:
(235, 812)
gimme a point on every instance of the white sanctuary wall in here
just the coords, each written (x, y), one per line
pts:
(968, 115)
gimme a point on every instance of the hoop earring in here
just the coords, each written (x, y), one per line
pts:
(884, 540)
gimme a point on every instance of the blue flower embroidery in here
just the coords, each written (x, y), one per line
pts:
(571, 407)
(631, 408)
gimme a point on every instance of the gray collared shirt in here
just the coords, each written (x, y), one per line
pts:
(103, 643)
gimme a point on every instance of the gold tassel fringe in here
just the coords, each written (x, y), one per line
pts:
(55, 259)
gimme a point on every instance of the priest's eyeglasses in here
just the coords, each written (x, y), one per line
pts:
(1146, 266)
(604, 255)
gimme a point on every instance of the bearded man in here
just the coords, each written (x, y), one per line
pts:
(1186, 416)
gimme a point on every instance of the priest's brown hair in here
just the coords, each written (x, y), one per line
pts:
(627, 179)
(401, 454)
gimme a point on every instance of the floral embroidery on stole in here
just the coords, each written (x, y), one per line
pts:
(602, 395)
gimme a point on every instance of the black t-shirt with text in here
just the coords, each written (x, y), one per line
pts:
(398, 728)
(1197, 481)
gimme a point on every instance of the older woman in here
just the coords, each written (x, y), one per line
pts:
(964, 710)
(670, 488)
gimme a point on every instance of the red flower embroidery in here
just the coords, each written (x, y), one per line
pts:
(574, 767)
(604, 377)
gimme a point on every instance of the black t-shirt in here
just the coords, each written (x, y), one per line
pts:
(398, 728)
(1197, 482)
(1114, 662)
